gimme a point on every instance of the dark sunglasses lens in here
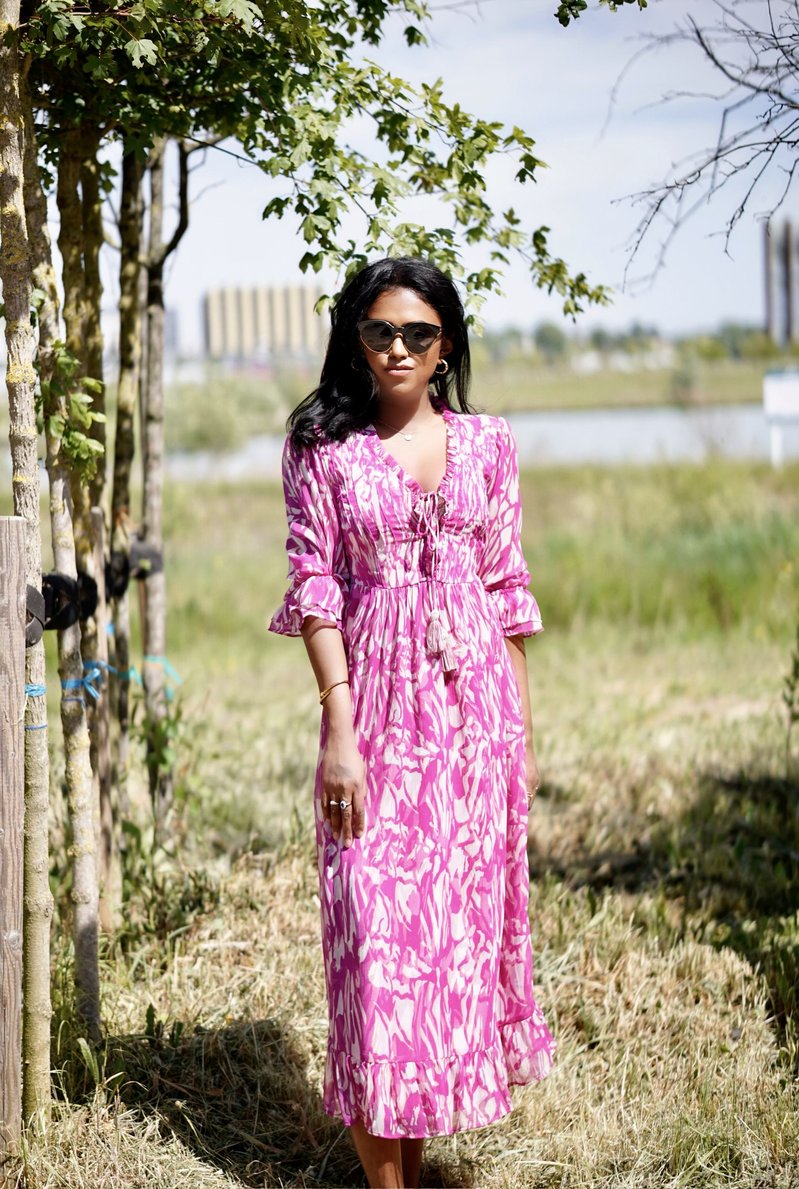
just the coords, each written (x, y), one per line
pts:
(420, 336)
(376, 335)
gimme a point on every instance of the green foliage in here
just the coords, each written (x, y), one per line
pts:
(733, 340)
(255, 403)
(161, 736)
(162, 897)
(685, 377)
(570, 10)
(288, 83)
(64, 408)
(550, 341)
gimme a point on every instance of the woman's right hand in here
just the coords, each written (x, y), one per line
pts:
(343, 779)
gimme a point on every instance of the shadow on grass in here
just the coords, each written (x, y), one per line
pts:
(730, 862)
(239, 1098)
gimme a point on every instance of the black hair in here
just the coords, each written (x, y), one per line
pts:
(346, 398)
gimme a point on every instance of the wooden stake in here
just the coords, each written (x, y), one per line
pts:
(12, 818)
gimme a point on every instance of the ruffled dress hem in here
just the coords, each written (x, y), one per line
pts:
(320, 595)
(517, 610)
(420, 1099)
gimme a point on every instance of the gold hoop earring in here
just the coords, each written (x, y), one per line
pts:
(441, 368)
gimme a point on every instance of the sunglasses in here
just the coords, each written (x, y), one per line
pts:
(378, 335)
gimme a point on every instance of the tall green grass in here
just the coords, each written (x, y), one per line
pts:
(687, 548)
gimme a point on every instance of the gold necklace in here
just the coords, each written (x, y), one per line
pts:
(404, 433)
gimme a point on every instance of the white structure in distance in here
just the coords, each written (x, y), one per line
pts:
(264, 325)
(781, 407)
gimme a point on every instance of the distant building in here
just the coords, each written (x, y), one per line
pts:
(266, 324)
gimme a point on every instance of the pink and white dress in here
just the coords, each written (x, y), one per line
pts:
(425, 931)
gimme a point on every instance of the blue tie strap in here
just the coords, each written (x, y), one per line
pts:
(90, 682)
(169, 671)
(35, 691)
(168, 667)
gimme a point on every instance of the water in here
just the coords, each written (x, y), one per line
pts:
(662, 434)
(603, 436)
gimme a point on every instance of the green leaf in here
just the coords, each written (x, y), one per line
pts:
(414, 36)
(141, 49)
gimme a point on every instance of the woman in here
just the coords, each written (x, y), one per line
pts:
(408, 585)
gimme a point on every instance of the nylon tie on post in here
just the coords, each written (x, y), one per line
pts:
(131, 674)
(92, 675)
(169, 671)
(35, 691)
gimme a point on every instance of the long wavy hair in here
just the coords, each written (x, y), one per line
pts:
(346, 397)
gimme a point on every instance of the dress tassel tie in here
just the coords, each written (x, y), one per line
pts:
(439, 640)
(439, 636)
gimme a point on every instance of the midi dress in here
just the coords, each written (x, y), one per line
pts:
(425, 931)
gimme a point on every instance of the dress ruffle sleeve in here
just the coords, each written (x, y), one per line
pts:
(503, 569)
(318, 574)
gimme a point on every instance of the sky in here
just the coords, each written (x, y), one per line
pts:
(510, 60)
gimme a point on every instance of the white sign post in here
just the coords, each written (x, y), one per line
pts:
(781, 405)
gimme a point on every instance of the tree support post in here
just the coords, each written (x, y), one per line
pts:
(12, 820)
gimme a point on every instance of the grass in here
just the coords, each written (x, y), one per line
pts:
(517, 385)
(664, 850)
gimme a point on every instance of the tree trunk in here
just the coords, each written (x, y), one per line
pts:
(153, 588)
(154, 584)
(18, 282)
(92, 217)
(78, 772)
(130, 327)
(80, 239)
(93, 646)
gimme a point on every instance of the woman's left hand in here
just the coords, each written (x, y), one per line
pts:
(532, 776)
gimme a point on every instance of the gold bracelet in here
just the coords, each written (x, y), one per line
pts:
(325, 692)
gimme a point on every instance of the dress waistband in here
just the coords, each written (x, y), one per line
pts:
(371, 583)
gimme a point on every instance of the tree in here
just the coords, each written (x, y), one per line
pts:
(131, 213)
(154, 603)
(550, 341)
(756, 61)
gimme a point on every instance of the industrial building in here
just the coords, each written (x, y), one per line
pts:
(272, 324)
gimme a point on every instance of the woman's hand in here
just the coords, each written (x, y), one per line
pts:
(343, 779)
(532, 775)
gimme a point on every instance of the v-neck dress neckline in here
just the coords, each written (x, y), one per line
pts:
(388, 458)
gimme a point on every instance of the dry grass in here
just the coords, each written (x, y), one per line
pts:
(665, 858)
(668, 1071)
(674, 1068)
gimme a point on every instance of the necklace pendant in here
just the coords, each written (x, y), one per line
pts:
(408, 437)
